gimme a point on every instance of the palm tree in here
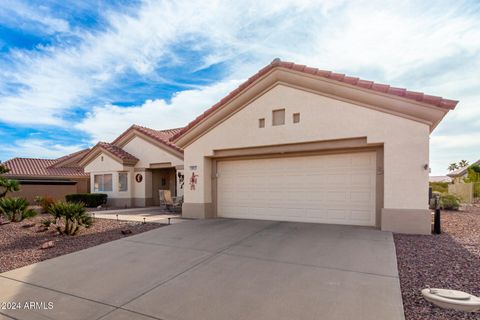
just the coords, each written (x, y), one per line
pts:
(7, 185)
(453, 166)
(463, 163)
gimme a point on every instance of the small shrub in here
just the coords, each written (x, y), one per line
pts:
(441, 187)
(7, 185)
(16, 209)
(47, 223)
(91, 200)
(449, 202)
(69, 217)
(44, 202)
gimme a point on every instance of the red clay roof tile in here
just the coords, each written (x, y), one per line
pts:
(63, 159)
(380, 87)
(364, 83)
(31, 167)
(116, 151)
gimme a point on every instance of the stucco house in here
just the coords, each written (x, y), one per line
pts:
(54, 178)
(459, 174)
(295, 143)
(292, 143)
(135, 166)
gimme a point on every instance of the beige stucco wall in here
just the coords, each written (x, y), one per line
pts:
(139, 193)
(57, 192)
(148, 153)
(113, 167)
(406, 142)
(102, 163)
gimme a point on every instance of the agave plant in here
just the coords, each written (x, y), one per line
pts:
(69, 217)
(15, 209)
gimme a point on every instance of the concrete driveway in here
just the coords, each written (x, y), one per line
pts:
(218, 269)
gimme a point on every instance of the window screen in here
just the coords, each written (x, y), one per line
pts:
(122, 181)
(102, 182)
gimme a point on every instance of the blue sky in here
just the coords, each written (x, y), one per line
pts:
(75, 72)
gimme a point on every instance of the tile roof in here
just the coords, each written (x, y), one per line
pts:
(366, 84)
(31, 167)
(116, 151)
(162, 136)
(64, 159)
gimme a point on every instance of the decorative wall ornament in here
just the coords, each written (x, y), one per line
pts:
(193, 181)
(138, 177)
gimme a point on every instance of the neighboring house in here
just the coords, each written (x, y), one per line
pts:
(54, 178)
(132, 169)
(459, 174)
(446, 179)
(295, 143)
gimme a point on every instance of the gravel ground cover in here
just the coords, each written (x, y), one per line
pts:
(21, 246)
(450, 260)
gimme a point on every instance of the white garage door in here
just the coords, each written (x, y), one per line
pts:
(337, 189)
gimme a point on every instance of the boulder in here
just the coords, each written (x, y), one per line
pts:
(48, 244)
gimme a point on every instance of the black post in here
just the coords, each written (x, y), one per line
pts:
(436, 220)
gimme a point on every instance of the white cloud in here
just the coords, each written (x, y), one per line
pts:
(459, 141)
(38, 148)
(105, 123)
(37, 19)
(354, 36)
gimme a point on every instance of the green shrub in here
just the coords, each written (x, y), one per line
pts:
(69, 217)
(7, 185)
(16, 209)
(473, 173)
(449, 202)
(441, 187)
(90, 200)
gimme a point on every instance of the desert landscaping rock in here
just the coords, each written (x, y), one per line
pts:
(450, 260)
(22, 246)
(47, 245)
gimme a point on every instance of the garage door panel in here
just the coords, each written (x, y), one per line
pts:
(360, 215)
(361, 197)
(362, 160)
(328, 189)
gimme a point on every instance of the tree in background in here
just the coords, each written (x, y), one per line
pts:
(463, 163)
(7, 185)
(453, 166)
(473, 173)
